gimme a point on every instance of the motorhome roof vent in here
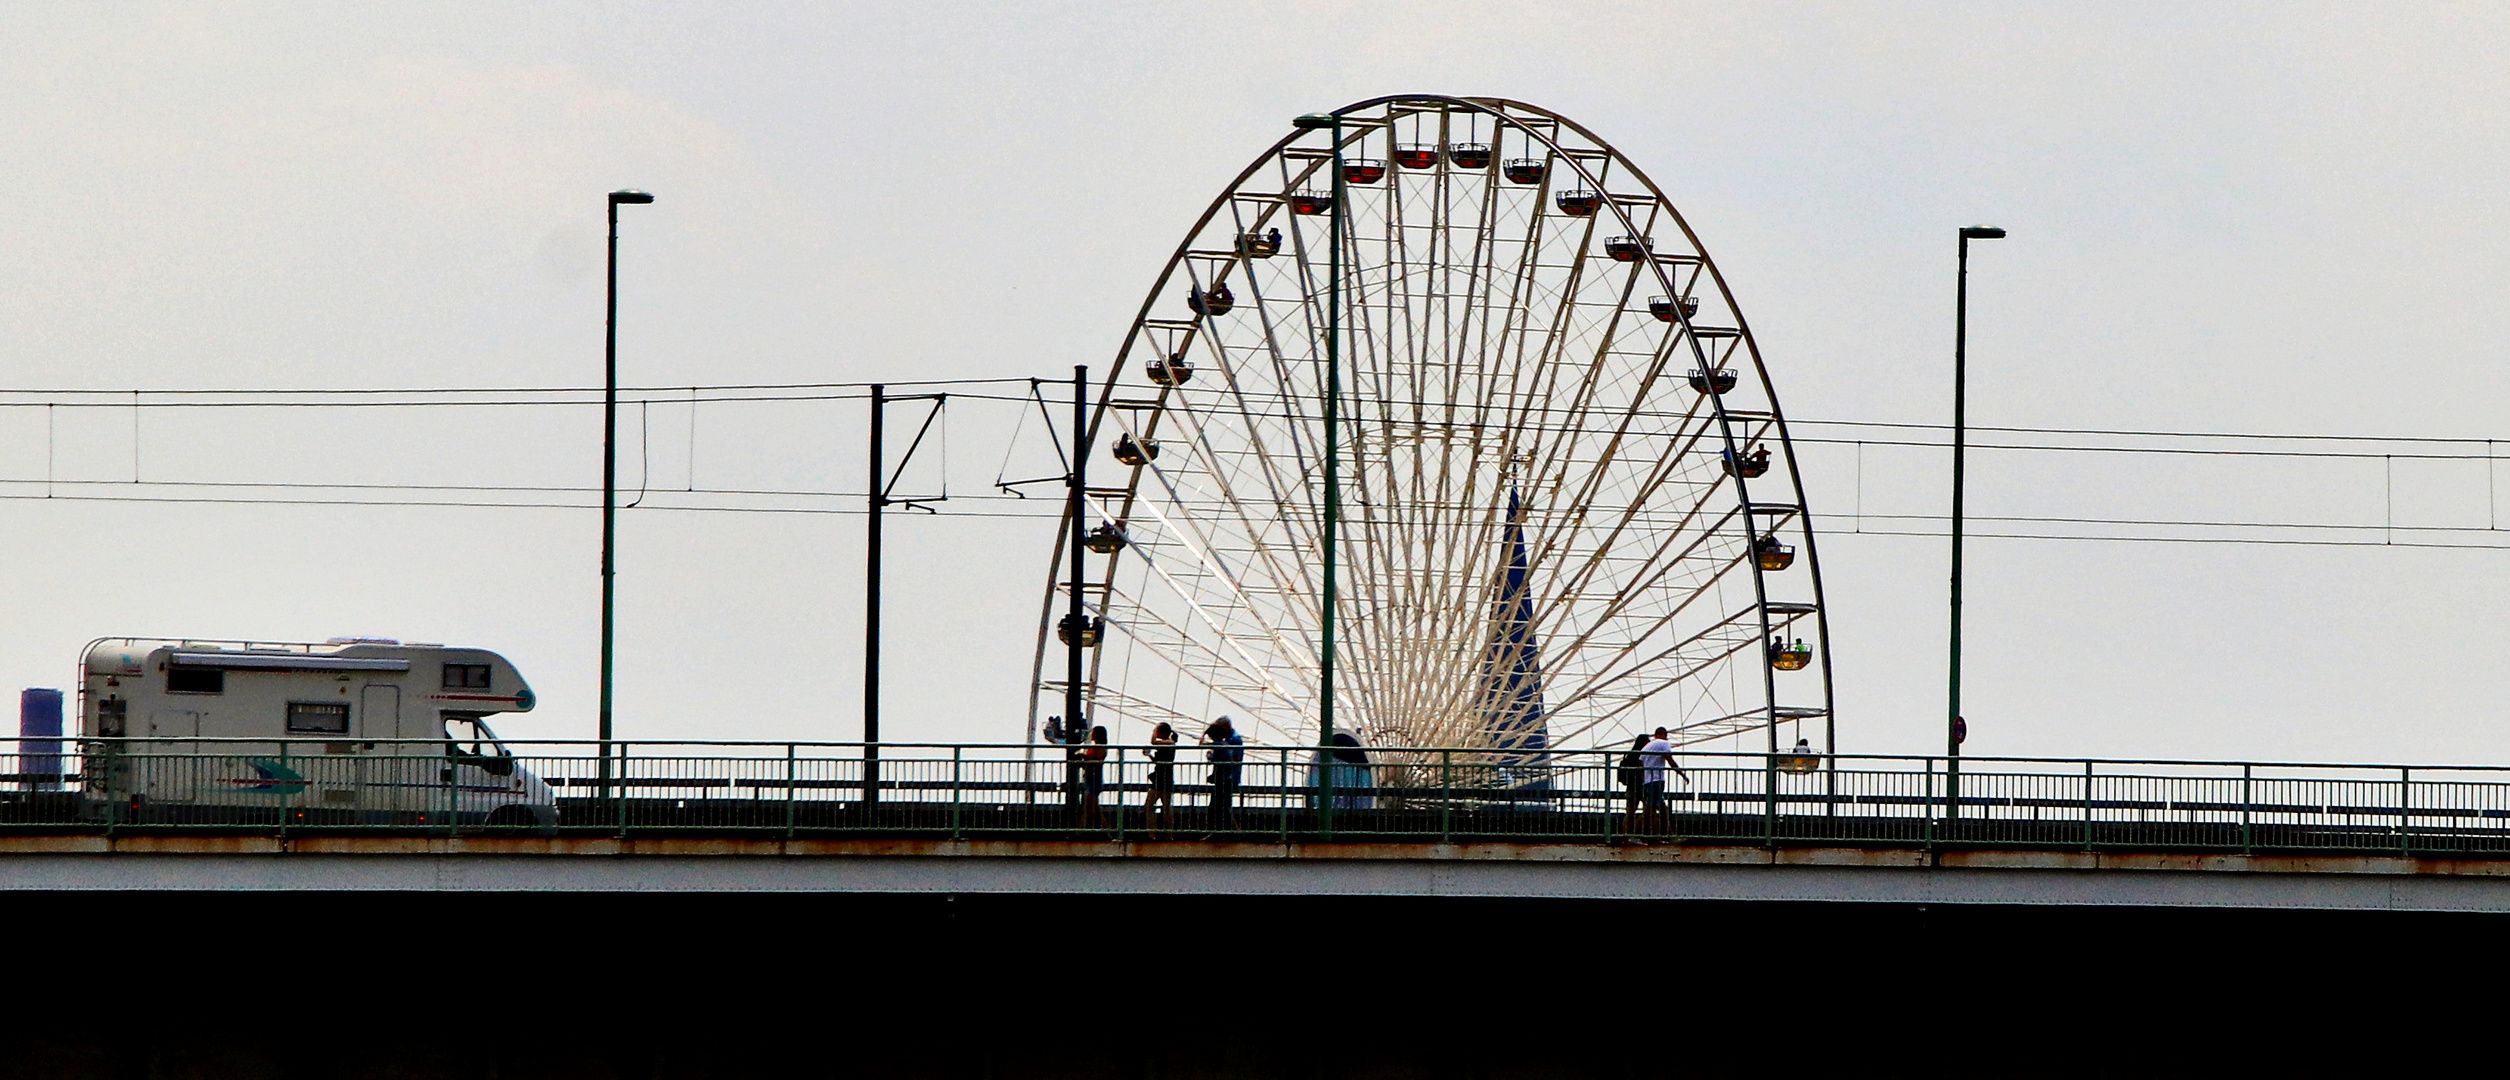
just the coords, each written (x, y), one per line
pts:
(361, 641)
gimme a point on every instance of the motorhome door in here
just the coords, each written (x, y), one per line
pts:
(370, 769)
(169, 771)
(380, 709)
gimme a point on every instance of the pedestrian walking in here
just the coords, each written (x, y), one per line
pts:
(1632, 776)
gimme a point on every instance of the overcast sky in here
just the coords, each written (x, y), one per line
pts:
(2279, 218)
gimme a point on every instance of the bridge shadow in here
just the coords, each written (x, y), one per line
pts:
(664, 987)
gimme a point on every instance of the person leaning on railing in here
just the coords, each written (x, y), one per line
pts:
(1656, 758)
(1162, 796)
(1227, 752)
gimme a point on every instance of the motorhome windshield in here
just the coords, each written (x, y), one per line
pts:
(470, 735)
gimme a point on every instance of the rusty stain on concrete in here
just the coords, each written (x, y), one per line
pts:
(1154, 850)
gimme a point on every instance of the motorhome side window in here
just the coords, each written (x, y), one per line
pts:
(318, 717)
(466, 676)
(190, 680)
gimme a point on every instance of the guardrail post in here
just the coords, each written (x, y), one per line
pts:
(1612, 811)
(620, 799)
(2248, 840)
(1446, 796)
(1281, 793)
(116, 759)
(1769, 801)
(957, 787)
(1118, 766)
(1926, 804)
(452, 774)
(2405, 806)
(284, 793)
(2087, 805)
(791, 781)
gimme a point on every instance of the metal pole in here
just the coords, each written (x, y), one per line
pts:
(609, 484)
(1333, 489)
(1960, 444)
(610, 471)
(1075, 729)
(1954, 727)
(2248, 838)
(878, 498)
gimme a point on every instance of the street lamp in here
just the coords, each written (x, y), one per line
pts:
(610, 463)
(1955, 729)
(1331, 122)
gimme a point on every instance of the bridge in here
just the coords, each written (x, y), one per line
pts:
(740, 818)
(696, 891)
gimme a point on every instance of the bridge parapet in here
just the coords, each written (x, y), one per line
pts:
(301, 790)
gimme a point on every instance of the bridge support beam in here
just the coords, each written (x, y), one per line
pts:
(414, 864)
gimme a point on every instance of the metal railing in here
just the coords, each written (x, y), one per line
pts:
(1434, 794)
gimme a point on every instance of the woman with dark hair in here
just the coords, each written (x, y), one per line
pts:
(1093, 759)
(1632, 775)
(1227, 754)
(1162, 798)
(1352, 775)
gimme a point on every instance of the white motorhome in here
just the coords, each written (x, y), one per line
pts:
(358, 731)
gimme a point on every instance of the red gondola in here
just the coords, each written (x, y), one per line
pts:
(1363, 170)
(1664, 307)
(1629, 248)
(1712, 382)
(1580, 203)
(1416, 155)
(1755, 464)
(1523, 171)
(1469, 155)
(1310, 202)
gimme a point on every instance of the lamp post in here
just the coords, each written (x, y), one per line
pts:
(1075, 616)
(1955, 729)
(610, 468)
(1331, 122)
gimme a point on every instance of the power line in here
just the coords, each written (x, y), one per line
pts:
(819, 391)
(417, 391)
(452, 504)
(2256, 541)
(1046, 515)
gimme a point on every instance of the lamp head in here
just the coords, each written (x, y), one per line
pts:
(1982, 232)
(1315, 121)
(635, 197)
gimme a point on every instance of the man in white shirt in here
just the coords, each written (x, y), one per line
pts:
(1655, 758)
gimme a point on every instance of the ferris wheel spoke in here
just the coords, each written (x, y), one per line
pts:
(1205, 553)
(1182, 637)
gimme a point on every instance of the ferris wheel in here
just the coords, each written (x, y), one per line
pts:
(1568, 507)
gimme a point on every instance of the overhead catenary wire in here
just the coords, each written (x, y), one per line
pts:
(284, 397)
(693, 396)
